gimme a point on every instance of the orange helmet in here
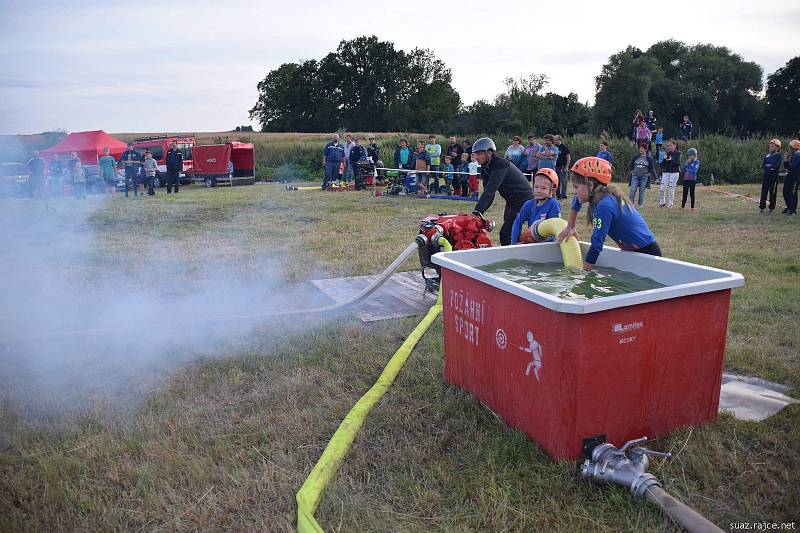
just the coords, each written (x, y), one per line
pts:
(593, 167)
(794, 145)
(549, 173)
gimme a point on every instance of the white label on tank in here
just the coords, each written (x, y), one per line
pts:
(469, 315)
(625, 328)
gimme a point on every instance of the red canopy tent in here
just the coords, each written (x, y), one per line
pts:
(88, 145)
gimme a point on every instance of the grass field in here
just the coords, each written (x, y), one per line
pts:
(223, 440)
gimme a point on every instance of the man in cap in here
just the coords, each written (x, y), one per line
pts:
(500, 176)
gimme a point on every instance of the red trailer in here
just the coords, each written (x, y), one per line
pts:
(232, 163)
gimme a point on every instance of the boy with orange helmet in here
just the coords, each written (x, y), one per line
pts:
(609, 212)
(541, 207)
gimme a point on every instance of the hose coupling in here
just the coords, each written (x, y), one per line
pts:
(609, 464)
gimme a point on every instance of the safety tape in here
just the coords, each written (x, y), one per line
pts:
(731, 194)
(439, 171)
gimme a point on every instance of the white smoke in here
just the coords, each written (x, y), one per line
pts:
(81, 323)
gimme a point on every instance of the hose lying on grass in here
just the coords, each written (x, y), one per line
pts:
(328, 464)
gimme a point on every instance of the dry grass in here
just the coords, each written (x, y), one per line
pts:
(228, 438)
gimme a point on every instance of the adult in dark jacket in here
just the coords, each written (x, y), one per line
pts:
(332, 156)
(792, 164)
(769, 186)
(174, 167)
(129, 160)
(373, 150)
(357, 153)
(500, 176)
(36, 166)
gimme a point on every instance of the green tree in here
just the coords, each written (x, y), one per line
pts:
(715, 86)
(528, 109)
(365, 85)
(622, 87)
(783, 97)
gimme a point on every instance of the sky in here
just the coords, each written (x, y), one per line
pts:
(194, 66)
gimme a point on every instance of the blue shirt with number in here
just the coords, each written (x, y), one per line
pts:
(622, 223)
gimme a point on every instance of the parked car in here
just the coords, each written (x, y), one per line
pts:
(15, 180)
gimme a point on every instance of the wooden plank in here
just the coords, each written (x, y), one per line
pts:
(402, 295)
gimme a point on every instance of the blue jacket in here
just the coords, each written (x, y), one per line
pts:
(793, 166)
(690, 172)
(623, 224)
(772, 164)
(334, 152)
(605, 154)
(531, 212)
(357, 153)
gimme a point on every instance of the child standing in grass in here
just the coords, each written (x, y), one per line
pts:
(473, 177)
(462, 178)
(642, 171)
(150, 166)
(542, 207)
(78, 181)
(690, 176)
(449, 169)
(604, 153)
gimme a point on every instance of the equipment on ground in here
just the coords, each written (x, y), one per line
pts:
(462, 231)
(627, 466)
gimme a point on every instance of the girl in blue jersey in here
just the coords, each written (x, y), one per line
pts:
(690, 176)
(543, 206)
(608, 212)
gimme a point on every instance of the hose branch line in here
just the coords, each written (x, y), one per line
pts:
(679, 512)
(363, 294)
(310, 493)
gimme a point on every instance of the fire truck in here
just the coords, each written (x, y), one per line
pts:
(159, 146)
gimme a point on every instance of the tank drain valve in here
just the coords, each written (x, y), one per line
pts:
(626, 466)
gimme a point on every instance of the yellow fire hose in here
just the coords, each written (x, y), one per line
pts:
(570, 249)
(309, 495)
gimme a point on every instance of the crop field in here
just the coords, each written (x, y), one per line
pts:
(219, 434)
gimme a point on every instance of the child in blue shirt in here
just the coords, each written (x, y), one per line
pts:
(604, 153)
(690, 176)
(659, 140)
(449, 169)
(542, 207)
(609, 212)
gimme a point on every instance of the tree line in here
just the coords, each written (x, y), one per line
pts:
(368, 85)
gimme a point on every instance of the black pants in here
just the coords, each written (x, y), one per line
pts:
(173, 180)
(509, 215)
(688, 188)
(769, 187)
(651, 249)
(790, 193)
(149, 181)
(433, 188)
(130, 183)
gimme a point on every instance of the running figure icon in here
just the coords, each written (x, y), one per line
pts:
(536, 356)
